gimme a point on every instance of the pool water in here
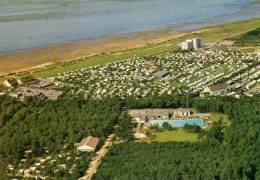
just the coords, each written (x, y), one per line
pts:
(179, 122)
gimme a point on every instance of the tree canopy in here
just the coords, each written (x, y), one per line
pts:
(223, 153)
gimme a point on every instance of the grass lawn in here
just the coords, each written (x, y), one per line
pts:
(174, 135)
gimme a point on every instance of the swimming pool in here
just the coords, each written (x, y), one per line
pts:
(179, 122)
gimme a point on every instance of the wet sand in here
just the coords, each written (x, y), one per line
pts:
(41, 57)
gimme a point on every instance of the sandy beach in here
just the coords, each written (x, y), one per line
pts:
(62, 31)
(40, 57)
(46, 56)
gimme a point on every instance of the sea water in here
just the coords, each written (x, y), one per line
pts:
(35, 23)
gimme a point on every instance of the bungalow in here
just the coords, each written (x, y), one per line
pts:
(161, 74)
(88, 144)
(10, 83)
(139, 115)
(182, 112)
(214, 90)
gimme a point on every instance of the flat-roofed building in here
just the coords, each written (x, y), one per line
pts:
(182, 112)
(197, 43)
(161, 74)
(140, 115)
(187, 45)
(190, 44)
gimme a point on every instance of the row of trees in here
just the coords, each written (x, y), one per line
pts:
(125, 127)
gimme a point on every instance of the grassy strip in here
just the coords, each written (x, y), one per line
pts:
(102, 59)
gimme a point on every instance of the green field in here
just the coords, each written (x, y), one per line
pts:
(174, 135)
(208, 34)
(251, 38)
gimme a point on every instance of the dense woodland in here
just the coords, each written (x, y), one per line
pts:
(48, 126)
(223, 153)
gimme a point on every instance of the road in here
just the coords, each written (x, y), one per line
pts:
(96, 160)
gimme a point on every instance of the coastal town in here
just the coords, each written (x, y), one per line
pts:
(193, 70)
(129, 90)
(204, 71)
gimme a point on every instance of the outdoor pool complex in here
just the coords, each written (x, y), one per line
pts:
(178, 122)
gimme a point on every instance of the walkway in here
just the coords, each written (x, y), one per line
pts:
(96, 160)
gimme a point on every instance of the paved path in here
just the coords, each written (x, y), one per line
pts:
(96, 160)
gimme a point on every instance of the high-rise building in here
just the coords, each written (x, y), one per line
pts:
(197, 43)
(189, 44)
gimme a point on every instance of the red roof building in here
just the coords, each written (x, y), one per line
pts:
(88, 144)
(215, 90)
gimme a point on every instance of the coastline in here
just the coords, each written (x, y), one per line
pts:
(31, 59)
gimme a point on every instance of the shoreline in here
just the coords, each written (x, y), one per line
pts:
(38, 58)
(177, 28)
(29, 59)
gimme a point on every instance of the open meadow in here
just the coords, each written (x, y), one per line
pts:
(178, 135)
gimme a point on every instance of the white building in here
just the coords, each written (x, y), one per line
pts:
(197, 43)
(182, 112)
(88, 144)
(189, 44)
(141, 115)
(214, 90)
